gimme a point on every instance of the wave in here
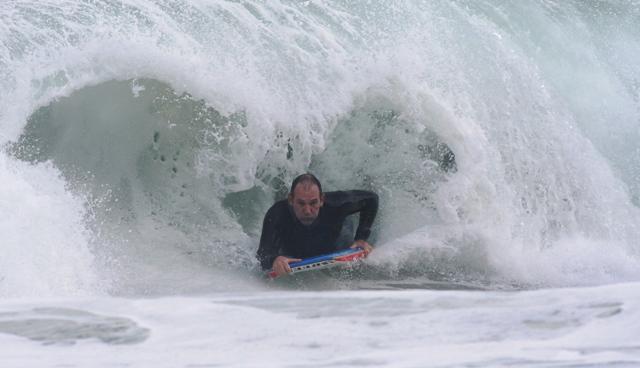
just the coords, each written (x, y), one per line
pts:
(173, 126)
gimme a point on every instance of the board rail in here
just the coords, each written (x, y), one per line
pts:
(344, 256)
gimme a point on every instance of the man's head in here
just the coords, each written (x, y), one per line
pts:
(306, 198)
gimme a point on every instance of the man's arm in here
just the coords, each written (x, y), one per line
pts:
(364, 202)
(269, 251)
(269, 248)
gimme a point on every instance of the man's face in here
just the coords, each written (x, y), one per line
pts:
(306, 202)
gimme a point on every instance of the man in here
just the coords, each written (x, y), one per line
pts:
(308, 223)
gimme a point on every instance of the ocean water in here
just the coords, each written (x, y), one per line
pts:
(143, 141)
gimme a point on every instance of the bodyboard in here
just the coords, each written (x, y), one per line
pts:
(340, 257)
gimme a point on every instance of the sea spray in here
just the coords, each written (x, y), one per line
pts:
(179, 123)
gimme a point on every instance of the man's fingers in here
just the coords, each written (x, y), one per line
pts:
(283, 264)
(366, 247)
(290, 260)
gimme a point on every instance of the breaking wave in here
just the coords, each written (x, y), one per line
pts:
(143, 141)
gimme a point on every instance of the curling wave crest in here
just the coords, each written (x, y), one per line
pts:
(143, 140)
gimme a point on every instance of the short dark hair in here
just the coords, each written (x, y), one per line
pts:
(305, 178)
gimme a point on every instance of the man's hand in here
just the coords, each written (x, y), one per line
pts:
(281, 265)
(366, 247)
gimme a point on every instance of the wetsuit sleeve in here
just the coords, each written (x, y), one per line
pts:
(269, 248)
(364, 202)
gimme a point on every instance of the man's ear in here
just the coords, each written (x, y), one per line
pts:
(321, 199)
(290, 199)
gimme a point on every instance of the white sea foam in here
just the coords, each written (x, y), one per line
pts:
(142, 142)
(45, 246)
(545, 182)
(579, 327)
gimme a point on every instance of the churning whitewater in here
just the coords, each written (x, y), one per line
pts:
(173, 126)
(143, 141)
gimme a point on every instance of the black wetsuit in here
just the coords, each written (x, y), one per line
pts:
(284, 235)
